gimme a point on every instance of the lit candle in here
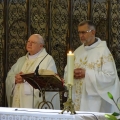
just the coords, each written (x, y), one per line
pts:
(70, 67)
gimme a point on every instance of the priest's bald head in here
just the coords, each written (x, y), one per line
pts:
(34, 44)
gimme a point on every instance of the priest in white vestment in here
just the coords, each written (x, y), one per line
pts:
(95, 73)
(22, 91)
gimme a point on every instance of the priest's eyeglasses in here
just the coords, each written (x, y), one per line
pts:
(84, 32)
(32, 42)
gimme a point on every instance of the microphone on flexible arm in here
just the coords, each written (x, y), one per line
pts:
(36, 73)
(36, 70)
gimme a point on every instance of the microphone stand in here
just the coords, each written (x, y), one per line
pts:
(43, 92)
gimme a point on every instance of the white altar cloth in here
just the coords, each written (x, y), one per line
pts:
(45, 114)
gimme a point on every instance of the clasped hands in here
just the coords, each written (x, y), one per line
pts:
(18, 78)
(79, 73)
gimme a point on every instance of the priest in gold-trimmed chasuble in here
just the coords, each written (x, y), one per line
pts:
(95, 73)
(22, 91)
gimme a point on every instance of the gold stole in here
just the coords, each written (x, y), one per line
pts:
(28, 67)
(78, 93)
(78, 90)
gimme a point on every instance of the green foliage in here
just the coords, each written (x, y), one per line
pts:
(116, 114)
(112, 116)
(110, 95)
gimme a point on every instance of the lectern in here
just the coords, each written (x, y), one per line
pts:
(45, 82)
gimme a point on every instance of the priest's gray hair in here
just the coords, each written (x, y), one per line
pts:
(90, 24)
(40, 38)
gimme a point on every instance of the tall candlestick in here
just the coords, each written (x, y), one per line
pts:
(70, 67)
(69, 105)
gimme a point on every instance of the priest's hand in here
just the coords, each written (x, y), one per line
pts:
(18, 78)
(79, 73)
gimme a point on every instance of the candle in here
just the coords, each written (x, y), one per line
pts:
(70, 67)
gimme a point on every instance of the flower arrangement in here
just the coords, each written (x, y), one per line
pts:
(115, 114)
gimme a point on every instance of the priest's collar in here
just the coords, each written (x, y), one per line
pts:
(35, 55)
(96, 43)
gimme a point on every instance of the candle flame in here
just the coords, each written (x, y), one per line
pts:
(70, 52)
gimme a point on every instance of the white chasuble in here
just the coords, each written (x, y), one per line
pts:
(23, 92)
(90, 93)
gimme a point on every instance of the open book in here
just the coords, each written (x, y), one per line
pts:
(46, 80)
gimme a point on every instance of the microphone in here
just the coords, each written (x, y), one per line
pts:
(36, 70)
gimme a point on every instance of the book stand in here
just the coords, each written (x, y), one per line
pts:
(44, 83)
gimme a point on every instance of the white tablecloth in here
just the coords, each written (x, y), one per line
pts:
(45, 114)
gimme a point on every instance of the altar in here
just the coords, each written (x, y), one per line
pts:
(46, 114)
